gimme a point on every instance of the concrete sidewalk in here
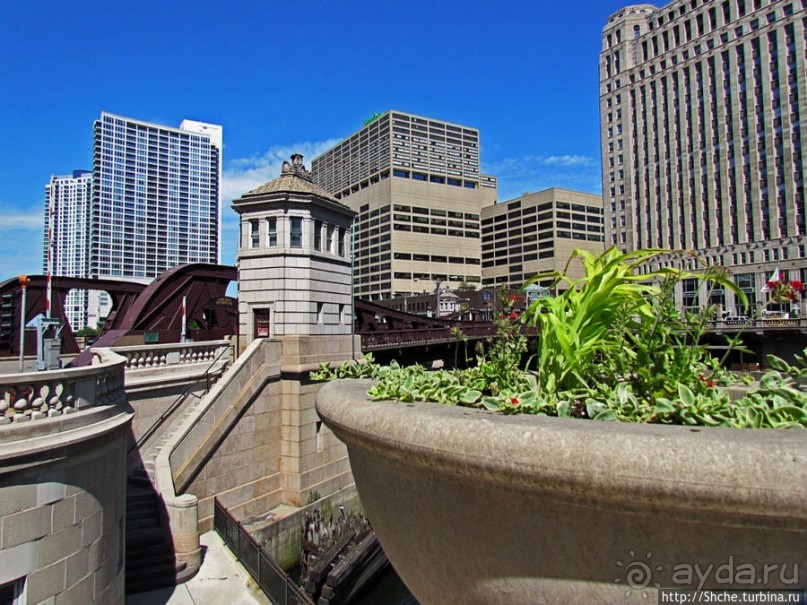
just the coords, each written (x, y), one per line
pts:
(221, 579)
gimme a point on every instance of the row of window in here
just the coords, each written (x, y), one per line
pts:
(327, 238)
(702, 81)
(435, 258)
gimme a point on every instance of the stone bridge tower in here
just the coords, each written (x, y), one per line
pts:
(294, 259)
(295, 296)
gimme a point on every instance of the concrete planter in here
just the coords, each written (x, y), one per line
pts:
(476, 507)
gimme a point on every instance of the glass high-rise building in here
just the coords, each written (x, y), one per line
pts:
(156, 197)
(68, 200)
(151, 202)
(416, 185)
(701, 104)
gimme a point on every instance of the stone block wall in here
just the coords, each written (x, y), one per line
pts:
(230, 449)
(62, 513)
(259, 442)
(243, 471)
(281, 537)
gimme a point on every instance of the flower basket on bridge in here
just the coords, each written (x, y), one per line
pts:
(519, 500)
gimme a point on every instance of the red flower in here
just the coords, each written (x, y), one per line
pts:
(707, 381)
(513, 315)
(514, 401)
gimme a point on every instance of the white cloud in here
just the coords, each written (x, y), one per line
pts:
(243, 174)
(20, 243)
(532, 173)
(21, 220)
(567, 160)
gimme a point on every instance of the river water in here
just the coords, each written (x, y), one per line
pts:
(388, 590)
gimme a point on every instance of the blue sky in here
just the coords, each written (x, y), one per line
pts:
(294, 76)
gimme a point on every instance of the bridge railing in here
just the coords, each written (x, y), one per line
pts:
(41, 395)
(158, 356)
(421, 336)
(760, 323)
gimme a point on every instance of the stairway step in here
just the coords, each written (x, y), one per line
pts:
(150, 579)
(136, 493)
(157, 560)
(142, 509)
(133, 525)
(152, 550)
(141, 493)
(146, 537)
(135, 521)
(141, 480)
(169, 569)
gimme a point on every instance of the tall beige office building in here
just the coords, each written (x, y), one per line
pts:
(537, 233)
(701, 104)
(418, 190)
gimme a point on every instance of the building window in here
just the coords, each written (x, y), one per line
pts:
(329, 240)
(262, 323)
(341, 242)
(13, 593)
(271, 232)
(296, 232)
(254, 234)
(318, 236)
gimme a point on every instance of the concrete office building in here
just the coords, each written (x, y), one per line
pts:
(701, 104)
(537, 233)
(416, 185)
(156, 197)
(68, 201)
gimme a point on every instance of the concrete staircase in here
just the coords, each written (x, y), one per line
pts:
(163, 520)
(150, 559)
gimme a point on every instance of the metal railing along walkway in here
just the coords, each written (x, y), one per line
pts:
(275, 583)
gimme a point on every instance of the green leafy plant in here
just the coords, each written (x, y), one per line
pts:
(612, 345)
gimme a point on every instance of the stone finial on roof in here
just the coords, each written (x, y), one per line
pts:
(296, 167)
(294, 178)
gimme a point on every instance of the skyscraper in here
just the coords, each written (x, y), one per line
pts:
(150, 203)
(155, 197)
(701, 104)
(416, 185)
(68, 199)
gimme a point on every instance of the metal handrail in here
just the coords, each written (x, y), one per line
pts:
(178, 401)
(275, 583)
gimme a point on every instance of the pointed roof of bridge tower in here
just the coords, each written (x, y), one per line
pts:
(294, 178)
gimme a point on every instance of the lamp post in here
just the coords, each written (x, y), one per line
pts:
(24, 281)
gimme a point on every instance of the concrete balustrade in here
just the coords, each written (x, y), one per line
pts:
(148, 357)
(182, 454)
(38, 395)
(63, 482)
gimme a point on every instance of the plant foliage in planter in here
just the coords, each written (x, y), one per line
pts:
(612, 345)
